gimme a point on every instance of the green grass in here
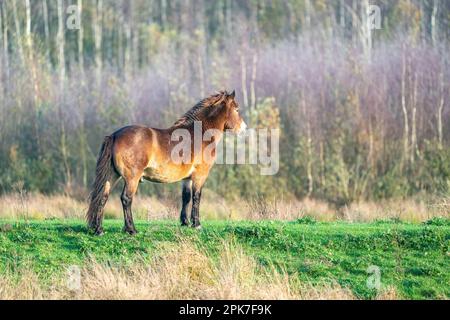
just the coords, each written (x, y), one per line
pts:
(413, 258)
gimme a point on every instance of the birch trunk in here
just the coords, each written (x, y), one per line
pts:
(309, 160)
(342, 13)
(201, 73)
(433, 26)
(135, 39)
(244, 79)
(308, 14)
(62, 75)
(440, 110)
(98, 30)
(1, 60)
(404, 109)
(18, 31)
(366, 30)
(80, 38)
(60, 44)
(5, 38)
(30, 54)
(253, 81)
(414, 148)
(46, 30)
(164, 13)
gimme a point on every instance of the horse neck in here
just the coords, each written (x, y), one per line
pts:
(216, 122)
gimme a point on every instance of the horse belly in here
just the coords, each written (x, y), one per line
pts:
(166, 174)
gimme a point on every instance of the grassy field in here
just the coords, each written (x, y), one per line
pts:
(413, 259)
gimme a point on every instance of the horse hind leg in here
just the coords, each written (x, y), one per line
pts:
(97, 224)
(128, 193)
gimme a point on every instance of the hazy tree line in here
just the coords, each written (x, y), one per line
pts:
(364, 114)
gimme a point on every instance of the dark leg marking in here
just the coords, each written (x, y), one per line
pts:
(127, 200)
(195, 214)
(186, 199)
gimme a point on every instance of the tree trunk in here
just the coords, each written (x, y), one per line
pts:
(30, 54)
(127, 29)
(46, 30)
(244, 80)
(404, 109)
(201, 73)
(342, 14)
(164, 13)
(371, 147)
(98, 30)
(355, 23)
(414, 148)
(18, 31)
(252, 81)
(2, 70)
(5, 39)
(308, 14)
(60, 44)
(62, 75)
(135, 38)
(309, 160)
(440, 111)
(366, 30)
(80, 38)
(433, 26)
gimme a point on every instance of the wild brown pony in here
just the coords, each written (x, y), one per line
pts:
(138, 152)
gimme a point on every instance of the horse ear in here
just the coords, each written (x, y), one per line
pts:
(233, 94)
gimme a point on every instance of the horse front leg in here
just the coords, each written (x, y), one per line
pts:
(198, 180)
(197, 186)
(195, 214)
(186, 199)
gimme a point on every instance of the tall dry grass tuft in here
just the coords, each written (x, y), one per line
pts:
(186, 272)
(214, 207)
(177, 272)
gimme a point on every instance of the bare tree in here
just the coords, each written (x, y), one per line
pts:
(80, 37)
(30, 54)
(433, 24)
(5, 38)
(366, 30)
(244, 78)
(18, 31)
(98, 31)
(46, 30)
(60, 42)
(404, 107)
(253, 81)
(309, 160)
(440, 110)
(413, 148)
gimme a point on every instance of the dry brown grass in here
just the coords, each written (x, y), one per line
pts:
(176, 273)
(37, 206)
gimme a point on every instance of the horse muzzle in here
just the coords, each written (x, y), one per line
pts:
(242, 128)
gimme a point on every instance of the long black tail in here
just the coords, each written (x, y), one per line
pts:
(100, 192)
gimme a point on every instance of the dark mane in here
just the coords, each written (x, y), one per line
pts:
(193, 114)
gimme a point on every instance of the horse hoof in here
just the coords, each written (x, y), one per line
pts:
(99, 233)
(131, 232)
(198, 227)
(184, 224)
